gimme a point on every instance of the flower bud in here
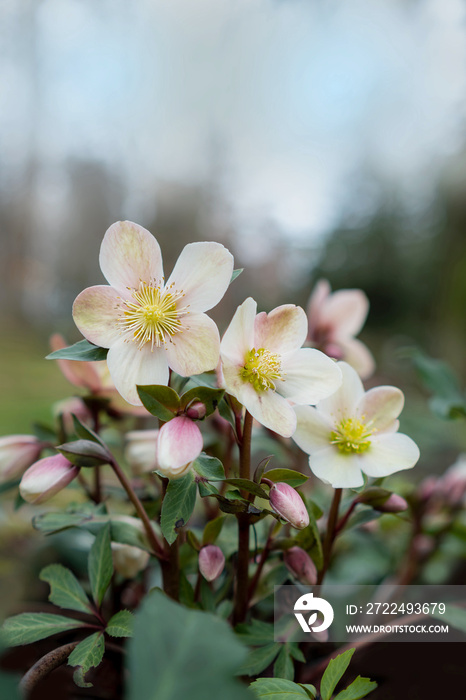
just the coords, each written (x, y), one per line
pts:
(47, 477)
(393, 504)
(17, 452)
(452, 485)
(140, 450)
(211, 562)
(299, 563)
(129, 560)
(196, 411)
(289, 505)
(179, 442)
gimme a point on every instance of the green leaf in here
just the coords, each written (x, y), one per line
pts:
(88, 654)
(85, 453)
(212, 530)
(65, 589)
(280, 689)
(288, 476)
(283, 666)
(30, 627)
(258, 659)
(85, 433)
(226, 412)
(359, 688)
(82, 351)
(334, 672)
(255, 634)
(209, 397)
(178, 653)
(206, 489)
(296, 652)
(209, 468)
(159, 400)
(249, 486)
(177, 506)
(100, 565)
(121, 624)
(236, 273)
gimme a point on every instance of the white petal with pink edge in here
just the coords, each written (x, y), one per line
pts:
(309, 376)
(389, 453)
(239, 336)
(282, 330)
(203, 272)
(381, 406)
(312, 430)
(196, 348)
(95, 312)
(342, 404)
(320, 292)
(346, 310)
(130, 365)
(179, 442)
(128, 254)
(268, 408)
(339, 470)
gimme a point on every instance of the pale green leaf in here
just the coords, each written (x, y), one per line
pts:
(100, 564)
(88, 654)
(65, 589)
(334, 671)
(121, 624)
(281, 689)
(258, 659)
(359, 688)
(30, 627)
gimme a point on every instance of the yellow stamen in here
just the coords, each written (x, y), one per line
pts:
(262, 368)
(351, 436)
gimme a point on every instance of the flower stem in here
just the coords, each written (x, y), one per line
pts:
(260, 566)
(44, 666)
(331, 534)
(242, 572)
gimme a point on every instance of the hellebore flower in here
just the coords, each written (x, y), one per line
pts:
(353, 432)
(334, 320)
(147, 324)
(265, 367)
(140, 450)
(289, 505)
(129, 560)
(179, 442)
(17, 453)
(299, 563)
(47, 477)
(211, 562)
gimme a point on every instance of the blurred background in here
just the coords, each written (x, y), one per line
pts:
(313, 139)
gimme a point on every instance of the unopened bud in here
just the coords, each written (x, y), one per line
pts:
(289, 505)
(393, 504)
(427, 488)
(211, 562)
(300, 564)
(129, 560)
(140, 450)
(47, 477)
(179, 442)
(196, 411)
(17, 453)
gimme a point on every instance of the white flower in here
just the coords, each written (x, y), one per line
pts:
(140, 450)
(265, 367)
(129, 560)
(147, 324)
(353, 432)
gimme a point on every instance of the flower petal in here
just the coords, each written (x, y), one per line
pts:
(179, 442)
(343, 402)
(312, 429)
(239, 336)
(128, 254)
(346, 310)
(196, 348)
(130, 365)
(268, 408)
(357, 355)
(309, 375)
(389, 454)
(77, 373)
(339, 470)
(282, 330)
(381, 406)
(95, 314)
(203, 272)
(320, 292)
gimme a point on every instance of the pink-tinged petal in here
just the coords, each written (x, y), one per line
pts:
(381, 406)
(389, 453)
(289, 505)
(319, 294)
(357, 355)
(17, 452)
(196, 348)
(268, 408)
(47, 477)
(203, 272)
(342, 404)
(78, 373)
(211, 562)
(128, 254)
(309, 376)
(238, 339)
(95, 312)
(346, 311)
(282, 330)
(130, 365)
(312, 430)
(179, 442)
(299, 563)
(335, 468)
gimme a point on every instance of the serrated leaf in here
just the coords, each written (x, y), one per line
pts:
(359, 688)
(236, 273)
(255, 634)
(283, 666)
(85, 453)
(288, 476)
(334, 671)
(178, 505)
(100, 565)
(88, 654)
(296, 652)
(209, 397)
(209, 468)
(65, 589)
(161, 401)
(121, 624)
(30, 627)
(212, 530)
(258, 659)
(249, 486)
(82, 351)
(280, 689)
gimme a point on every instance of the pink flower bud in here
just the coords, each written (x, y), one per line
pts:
(211, 562)
(179, 442)
(17, 452)
(428, 487)
(129, 560)
(300, 564)
(47, 477)
(289, 505)
(393, 504)
(196, 411)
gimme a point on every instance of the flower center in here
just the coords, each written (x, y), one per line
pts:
(152, 316)
(351, 436)
(261, 369)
